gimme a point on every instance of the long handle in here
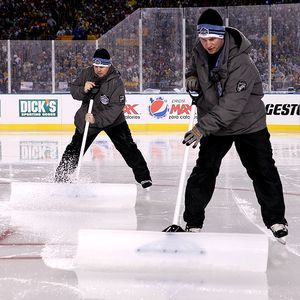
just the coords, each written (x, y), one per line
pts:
(86, 128)
(183, 171)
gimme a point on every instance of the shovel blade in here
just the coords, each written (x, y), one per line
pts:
(147, 252)
(173, 228)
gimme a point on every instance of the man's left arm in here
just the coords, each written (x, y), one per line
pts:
(233, 101)
(113, 109)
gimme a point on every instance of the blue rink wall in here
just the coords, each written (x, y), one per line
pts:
(145, 112)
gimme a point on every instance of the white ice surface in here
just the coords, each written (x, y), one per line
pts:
(38, 246)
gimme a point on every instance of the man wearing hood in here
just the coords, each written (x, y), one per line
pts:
(102, 83)
(230, 110)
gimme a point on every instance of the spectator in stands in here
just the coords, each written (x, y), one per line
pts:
(3, 84)
(79, 32)
(61, 32)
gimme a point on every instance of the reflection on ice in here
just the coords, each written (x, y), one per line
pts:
(164, 286)
(59, 230)
(37, 195)
(30, 289)
(62, 227)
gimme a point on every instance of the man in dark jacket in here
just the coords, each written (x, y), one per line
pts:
(230, 110)
(103, 83)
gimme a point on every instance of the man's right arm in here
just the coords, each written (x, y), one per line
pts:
(191, 81)
(77, 88)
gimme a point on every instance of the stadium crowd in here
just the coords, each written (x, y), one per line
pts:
(48, 20)
(83, 19)
(41, 23)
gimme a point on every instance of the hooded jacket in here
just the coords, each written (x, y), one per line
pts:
(231, 97)
(109, 101)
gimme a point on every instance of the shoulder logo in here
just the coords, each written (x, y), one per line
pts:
(241, 86)
(122, 99)
(104, 99)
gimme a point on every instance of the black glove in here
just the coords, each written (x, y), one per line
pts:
(192, 84)
(192, 136)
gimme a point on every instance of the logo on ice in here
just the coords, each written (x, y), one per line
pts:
(38, 107)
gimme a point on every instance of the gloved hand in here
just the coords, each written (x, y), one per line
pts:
(192, 136)
(192, 84)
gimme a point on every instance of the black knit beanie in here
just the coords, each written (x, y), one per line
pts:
(210, 16)
(101, 58)
(210, 25)
(101, 53)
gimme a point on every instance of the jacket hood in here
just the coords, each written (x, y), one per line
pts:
(237, 41)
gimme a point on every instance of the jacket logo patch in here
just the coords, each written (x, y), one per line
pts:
(122, 99)
(104, 99)
(241, 86)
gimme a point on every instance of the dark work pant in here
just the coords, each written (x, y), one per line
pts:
(255, 152)
(120, 136)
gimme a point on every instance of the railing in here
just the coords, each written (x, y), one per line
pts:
(152, 48)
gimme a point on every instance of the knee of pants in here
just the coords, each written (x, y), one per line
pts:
(202, 175)
(129, 148)
(263, 171)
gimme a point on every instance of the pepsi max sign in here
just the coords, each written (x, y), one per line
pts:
(158, 107)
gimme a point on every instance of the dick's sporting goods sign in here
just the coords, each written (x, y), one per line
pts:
(38, 107)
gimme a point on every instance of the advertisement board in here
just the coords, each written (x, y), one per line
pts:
(150, 111)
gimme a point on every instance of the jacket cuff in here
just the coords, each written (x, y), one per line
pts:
(201, 130)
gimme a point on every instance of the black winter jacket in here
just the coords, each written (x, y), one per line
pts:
(108, 102)
(232, 104)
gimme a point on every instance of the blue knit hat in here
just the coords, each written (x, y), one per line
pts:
(102, 58)
(210, 25)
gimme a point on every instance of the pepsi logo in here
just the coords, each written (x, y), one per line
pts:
(158, 107)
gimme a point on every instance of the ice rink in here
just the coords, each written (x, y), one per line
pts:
(38, 242)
